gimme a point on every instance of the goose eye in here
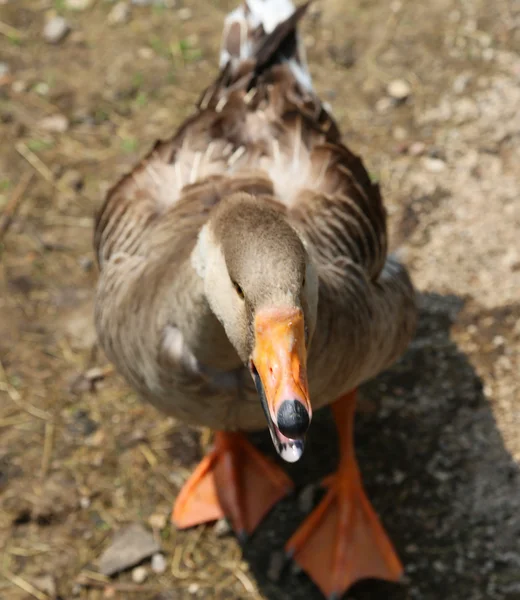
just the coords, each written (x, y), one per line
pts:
(238, 290)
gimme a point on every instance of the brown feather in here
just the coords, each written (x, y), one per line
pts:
(256, 131)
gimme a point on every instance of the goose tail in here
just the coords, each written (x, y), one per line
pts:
(265, 32)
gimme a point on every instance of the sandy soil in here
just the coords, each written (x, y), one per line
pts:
(438, 435)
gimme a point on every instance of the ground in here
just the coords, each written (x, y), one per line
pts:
(437, 435)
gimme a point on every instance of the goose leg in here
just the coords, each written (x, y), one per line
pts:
(235, 481)
(343, 541)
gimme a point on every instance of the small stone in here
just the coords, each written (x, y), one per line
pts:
(4, 69)
(84, 502)
(276, 564)
(306, 498)
(417, 148)
(384, 104)
(400, 133)
(19, 86)
(398, 477)
(399, 89)
(130, 546)
(139, 575)
(488, 54)
(78, 4)
(42, 88)
(222, 528)
(146, 53)
(439, 566)
(119, 14)
(185, 14)
(193, 588)
(158, 563)
(434, 165)
(498, 340)
(157, 521)
(55, 123)
(461, 83)
(55, 30)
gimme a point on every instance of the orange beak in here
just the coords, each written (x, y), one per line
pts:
(279, 369)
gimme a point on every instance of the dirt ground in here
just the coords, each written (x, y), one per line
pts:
(438, 435)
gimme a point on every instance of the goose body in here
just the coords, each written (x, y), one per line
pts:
(268, 137)
(245, 282)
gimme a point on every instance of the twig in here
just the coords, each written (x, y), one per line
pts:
(245, 581)
(36, 163)
(14, 202)
(15, 396)
(47, 447)
(25, 586)
(148, 454)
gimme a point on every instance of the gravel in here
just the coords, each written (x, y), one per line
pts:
(55, 30)
(119, 14)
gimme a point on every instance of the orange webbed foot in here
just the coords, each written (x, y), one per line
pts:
(342, 541)
(235, 481)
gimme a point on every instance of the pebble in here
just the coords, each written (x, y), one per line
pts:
(157, 521)
(158, 563)
(54, 123)
(222, 528)
(400, 133)
(19, 86)
(417, 148)
(166, 3)
(4, 69)
(434, 165)
(276, 566)
(139, 575)
(119, 14)
(461, 83)
(399, 89)
(488, 54)
(78, 4)
(42, 88)
(384, 104)
(146, 53)
(185, 14)
(55, 30)
(193, 588)
(306, 498)
(84, 502)
(129, 547)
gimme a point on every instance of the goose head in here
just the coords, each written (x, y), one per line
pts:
(261, 285)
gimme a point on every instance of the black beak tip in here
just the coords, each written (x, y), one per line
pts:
(293, 419)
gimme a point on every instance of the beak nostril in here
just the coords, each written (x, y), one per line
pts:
(292, 419)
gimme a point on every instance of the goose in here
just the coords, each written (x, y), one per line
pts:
(245, 282)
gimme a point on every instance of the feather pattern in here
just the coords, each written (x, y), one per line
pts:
(261, 129)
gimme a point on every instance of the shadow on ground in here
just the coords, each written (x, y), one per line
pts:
(436, 469)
